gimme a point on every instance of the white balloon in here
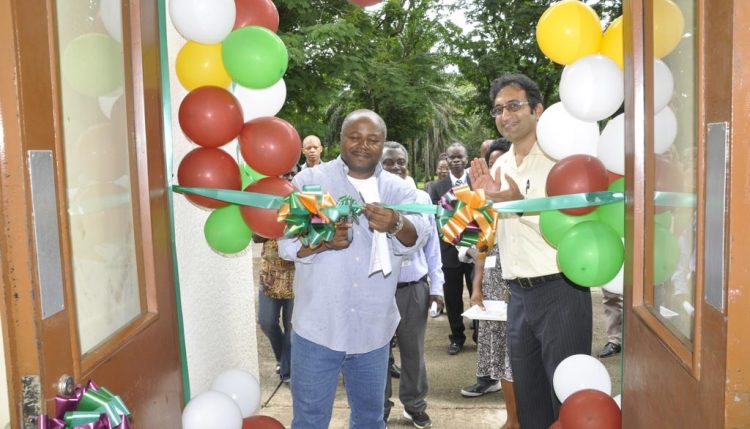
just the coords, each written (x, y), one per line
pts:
(592, 88)
(211, 410)
(257, 103)
(618, 400)
(106, 102)
(611, 146)
(111, 12)
(616, 284)
(578, 372)
(242, 387)
(560, 134)
(203, 21)
(665, 130)
(663, 85)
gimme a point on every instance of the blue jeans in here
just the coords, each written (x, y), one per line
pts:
(316, 372)
(269, 313)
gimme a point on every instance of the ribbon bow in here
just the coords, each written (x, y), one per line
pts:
(312, 214)
(90, 407)
(466, 218)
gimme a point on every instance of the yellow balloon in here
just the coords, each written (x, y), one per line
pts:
(200, 65)
(568, 30)
(669, 24)
(612, 42)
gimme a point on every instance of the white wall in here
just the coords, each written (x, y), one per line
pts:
(218, 304)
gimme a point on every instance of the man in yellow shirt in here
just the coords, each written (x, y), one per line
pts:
(549, 317)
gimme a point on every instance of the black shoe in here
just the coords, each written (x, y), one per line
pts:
(420, 419)
(610, 349)
(395, 371)
(454, 348)
(481, 387)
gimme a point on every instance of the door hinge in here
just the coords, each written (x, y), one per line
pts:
(31, 402)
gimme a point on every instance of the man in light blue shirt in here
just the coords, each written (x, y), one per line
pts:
(345, 312)
(414, 296)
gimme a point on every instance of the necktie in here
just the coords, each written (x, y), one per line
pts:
(459, 182)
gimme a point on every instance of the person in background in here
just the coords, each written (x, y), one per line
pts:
(441, 171)
(455, 270)
(484, 148)
(613, 315)
(549, 317)
(345, 312)
(312, 148)
(493, 355)
(414, 296)
(276, 299)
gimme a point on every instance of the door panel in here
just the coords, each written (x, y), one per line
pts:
(94, 103)
(674, 369)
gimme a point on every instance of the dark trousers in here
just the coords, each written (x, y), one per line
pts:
(453, 291)
(546, 324)
(413, 303)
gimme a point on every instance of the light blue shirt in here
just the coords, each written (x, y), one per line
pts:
(336, 303)
(427, 260)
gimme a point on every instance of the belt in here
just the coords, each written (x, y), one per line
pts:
(530, 282)
(400, 285)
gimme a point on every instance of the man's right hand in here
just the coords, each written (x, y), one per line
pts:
(340, 239)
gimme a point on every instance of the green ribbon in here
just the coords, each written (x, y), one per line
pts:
(93, 404)
(347, 206)
(569, 201)
(252, 199)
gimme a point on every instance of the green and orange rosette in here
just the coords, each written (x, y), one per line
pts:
(466, 218)
(311, 215)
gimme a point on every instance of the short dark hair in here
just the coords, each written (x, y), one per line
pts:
(502, 144)
(520, 81)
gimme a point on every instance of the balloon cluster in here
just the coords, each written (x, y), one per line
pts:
(232, 403)
(233, 65)
(583, 385)
(589, 243)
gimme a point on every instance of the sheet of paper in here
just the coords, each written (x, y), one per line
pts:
(494, 310)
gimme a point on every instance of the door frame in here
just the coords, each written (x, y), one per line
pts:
(30, 109)
(665, 381)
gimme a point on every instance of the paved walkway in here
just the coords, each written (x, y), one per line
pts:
(447, 375)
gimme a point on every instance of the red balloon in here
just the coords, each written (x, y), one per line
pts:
(577, 174)
(256, 12)
(270, 145)
(590, 409)
(261, 422)
(556, 425)
(210, 116)
(263, 221)
(613, 177)
(365, 3)
(208, 168)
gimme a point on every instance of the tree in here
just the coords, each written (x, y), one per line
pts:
(503, 40)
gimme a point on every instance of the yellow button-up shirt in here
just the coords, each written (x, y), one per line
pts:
(523, 250)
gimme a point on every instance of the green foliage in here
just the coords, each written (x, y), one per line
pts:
(405, 60)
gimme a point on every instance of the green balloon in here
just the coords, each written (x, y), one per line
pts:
(663, 219)
(92, 64)
(554, 224)
(255, 57)
(249, 176)
(666, 254)
(590, 254)
(226, 231)
(614, 214)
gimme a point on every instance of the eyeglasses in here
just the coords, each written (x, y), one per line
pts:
(512, 106)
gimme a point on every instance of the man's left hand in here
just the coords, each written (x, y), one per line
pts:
(380, 218)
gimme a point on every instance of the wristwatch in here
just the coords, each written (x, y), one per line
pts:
(398, 226)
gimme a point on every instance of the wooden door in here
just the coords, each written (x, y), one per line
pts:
(686, 319)
(88, 282)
